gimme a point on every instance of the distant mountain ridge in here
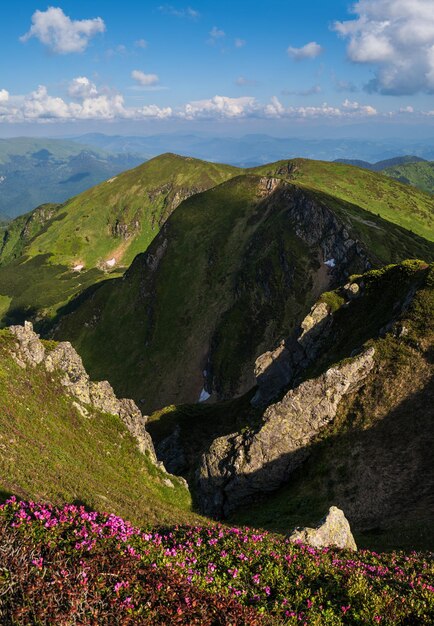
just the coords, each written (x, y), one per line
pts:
(37, 171)
(258, 149)
(382, 165)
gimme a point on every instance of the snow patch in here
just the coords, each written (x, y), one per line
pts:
(78, 268)
(111, 262)
(110, 180)
(204, 395)
(330, 263)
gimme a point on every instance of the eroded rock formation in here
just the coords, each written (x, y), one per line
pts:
(30, 351)
(241, 465)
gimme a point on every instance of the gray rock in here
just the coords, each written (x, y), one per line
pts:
(29, 349)
(276, 369)
(73, 376)
(332, 531)
(238, 466)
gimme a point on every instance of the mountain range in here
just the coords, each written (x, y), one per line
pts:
(231, 305)
(36, 171)
(259, 149)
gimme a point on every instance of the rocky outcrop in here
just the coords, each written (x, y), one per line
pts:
(276, 369)
(241, 465)
(332, 531)
(30, 349)
(63, 359)
(267, 186)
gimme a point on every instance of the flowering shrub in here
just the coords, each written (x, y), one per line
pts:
(69, 566)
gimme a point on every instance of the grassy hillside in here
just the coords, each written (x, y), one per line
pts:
(111, 222)
(374, 461)
(100, 231)
(420, 175)
(50, 452)
(394, 202)
(231, 273)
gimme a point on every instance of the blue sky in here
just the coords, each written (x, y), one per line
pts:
(274, 66)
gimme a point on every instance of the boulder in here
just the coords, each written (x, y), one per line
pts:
(332, 531)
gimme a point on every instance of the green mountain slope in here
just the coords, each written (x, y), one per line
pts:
(98, 233)
(59, 449)
(420, 175)
(231, 271)
(397, 203)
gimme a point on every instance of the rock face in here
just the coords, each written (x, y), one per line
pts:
(30, 351)
(333, 531)
(276, 369)
(239, 466)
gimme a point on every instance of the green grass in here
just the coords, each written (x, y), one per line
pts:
(141, 198)
(50, 452)
(420, 175)
(53, 239)
(207, 294)
(377, 194)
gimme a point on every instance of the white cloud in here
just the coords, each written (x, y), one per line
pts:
(145, 80)
(168, 9)
(215, 34)
(359, 109)
(141, 43)
(239, 43)
(86, 102)
(396, 36)
(82, 87)
(59, 33)
(309, 51)
(275, 108)
(242, 81)
(220, 107)
(40, 105)
(155, 112)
